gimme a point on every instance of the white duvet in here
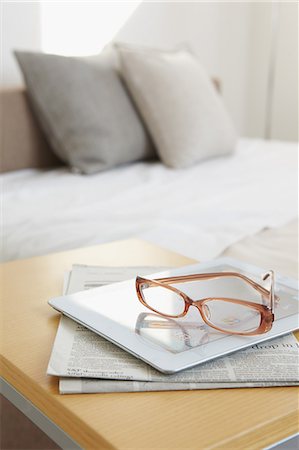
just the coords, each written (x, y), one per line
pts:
(198, 211)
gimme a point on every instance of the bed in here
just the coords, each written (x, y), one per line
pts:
(221, 206)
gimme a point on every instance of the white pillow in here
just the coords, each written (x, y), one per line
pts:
(179, 104)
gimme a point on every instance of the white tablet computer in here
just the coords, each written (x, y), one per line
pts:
(169, 344)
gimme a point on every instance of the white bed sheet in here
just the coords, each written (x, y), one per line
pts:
(275, 249)
(198, 211)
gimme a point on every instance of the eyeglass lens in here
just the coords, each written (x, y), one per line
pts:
(164, 301)
(231, 316)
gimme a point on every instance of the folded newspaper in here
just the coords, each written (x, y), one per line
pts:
(87, 363)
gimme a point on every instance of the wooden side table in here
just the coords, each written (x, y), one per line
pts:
(222, 419)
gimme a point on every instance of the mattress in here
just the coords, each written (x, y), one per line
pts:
(199, 211)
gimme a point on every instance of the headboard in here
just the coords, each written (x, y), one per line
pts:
(22, 143)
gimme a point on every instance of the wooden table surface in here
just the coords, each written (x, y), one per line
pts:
(228, 419)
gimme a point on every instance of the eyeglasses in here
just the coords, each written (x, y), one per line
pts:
(226, 314)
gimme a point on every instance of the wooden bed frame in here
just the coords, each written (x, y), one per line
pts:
(22, 142)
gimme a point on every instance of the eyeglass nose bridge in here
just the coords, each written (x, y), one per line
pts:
(201, 306)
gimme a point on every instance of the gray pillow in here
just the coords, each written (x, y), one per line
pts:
(85, 111)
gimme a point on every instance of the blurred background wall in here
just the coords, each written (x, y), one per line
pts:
(252, 47)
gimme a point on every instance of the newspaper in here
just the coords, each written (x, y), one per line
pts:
(92, 386)
(79, 353)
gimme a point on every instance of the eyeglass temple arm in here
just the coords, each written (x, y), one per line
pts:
(207, 276)
(273, 297)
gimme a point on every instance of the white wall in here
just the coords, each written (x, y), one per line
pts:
(232, 40)
(285, 101)
(21, 30)
(89, 26)
(284, 110)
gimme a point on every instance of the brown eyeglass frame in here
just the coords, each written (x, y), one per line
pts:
(266, 311)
